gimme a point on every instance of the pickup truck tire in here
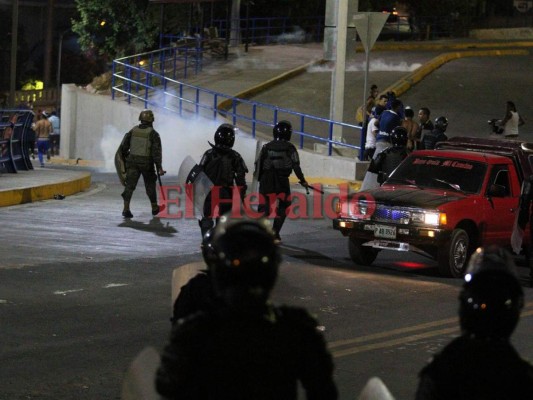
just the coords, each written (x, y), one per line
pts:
(362, 255)
(452, 258)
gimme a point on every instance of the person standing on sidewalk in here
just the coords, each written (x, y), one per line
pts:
(413, 142)
(425, 124)
(511, 121)
(141, 149)
(54, 136)
(43, 129)
(277, 159)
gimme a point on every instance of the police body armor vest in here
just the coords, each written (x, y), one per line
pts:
(279, 157)
(140, 145)
(394, 157)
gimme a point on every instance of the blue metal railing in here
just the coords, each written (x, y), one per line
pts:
(151, 87)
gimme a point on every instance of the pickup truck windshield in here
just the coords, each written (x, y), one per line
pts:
(440, 173)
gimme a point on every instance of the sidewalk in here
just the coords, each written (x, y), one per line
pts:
(255, 73)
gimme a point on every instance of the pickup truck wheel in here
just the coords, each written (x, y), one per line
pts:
(452, 258)
(362, 255)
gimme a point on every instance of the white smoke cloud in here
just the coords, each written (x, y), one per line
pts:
(375, 65)
(180, 137)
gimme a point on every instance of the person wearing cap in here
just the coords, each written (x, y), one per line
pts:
(43, 129)
(481, 364)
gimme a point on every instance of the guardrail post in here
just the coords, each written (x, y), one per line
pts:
(302, 129)
(234, 109)
(254, 119)
(330, 143)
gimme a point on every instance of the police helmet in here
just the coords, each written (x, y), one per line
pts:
(282, 130)
(441, 123)
(491, 298)
(146, 116)
(225, 135)
(243, 260)
(398, 136)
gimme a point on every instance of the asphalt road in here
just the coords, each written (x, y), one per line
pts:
(82, 292)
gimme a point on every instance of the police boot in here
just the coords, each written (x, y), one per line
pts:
(126, 213)
(206, 224)
(276, 227)
(155, 209)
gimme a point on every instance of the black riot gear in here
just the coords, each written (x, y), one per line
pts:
(441, 123)
(282, 130)
(225, 135)
(399, 136)
(146, 116)
(492, 297)
(243, 260)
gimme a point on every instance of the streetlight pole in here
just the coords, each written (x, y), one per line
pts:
(58, 76)
(14, 45)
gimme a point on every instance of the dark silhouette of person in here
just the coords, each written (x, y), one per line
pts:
(226, 169)
(141, 149)
(242, 346)
(481, 364)
(277, 160)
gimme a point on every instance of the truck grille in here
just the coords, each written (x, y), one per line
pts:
(385, 214)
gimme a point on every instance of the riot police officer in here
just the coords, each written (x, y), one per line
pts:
(482, 363)
(390, 158)
(141, 149)
(243, 347)
(430, 139)
(275, 164)
(226, 169)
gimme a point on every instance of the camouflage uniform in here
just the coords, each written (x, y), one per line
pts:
(141, 148)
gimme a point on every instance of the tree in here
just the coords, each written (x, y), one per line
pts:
(114, 28)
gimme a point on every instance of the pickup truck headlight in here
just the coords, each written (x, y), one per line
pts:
(428, 218)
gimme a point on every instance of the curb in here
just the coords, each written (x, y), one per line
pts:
(45, 192)
(254, 90)
(445, 46)
(406, 83)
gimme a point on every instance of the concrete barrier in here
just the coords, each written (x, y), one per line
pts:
(502, 34)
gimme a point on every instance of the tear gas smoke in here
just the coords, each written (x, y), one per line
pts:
(376, 65)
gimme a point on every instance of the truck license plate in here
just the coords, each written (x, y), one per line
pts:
(384, 231)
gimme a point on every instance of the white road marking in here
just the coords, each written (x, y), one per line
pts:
(65, 292)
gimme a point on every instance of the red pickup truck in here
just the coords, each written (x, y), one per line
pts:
(443, 203)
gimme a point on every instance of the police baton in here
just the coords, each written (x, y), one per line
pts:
(307, 187)
(163, 206)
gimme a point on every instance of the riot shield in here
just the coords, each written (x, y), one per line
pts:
(120, 165)
(257, 169)
(139, 380)
(375, 389)
(191, 173)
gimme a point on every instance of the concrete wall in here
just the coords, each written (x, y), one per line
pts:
(92, 127)
(502, 34)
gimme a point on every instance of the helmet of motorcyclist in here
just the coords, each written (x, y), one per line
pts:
(398, 136)
(243, 261)
(282, 130)
(441, 123)
(225, 136)
(146, 116)
(491, 298)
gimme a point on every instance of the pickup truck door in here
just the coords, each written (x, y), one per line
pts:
(500, 205)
